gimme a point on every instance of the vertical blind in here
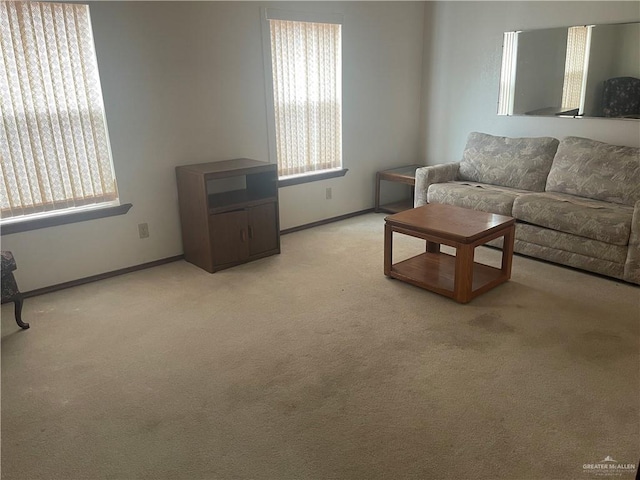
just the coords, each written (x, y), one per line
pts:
(575, 67)
(508, 73)
(307, 88)
(54, 144)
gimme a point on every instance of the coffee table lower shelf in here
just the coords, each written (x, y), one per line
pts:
(436, 272)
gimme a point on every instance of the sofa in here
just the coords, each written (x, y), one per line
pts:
(576, 201)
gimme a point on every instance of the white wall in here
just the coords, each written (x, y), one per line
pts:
(463, 48)
(183, 82)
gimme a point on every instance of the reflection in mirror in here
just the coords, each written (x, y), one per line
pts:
(581, 71)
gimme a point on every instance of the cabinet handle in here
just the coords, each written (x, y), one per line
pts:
(250, 231)
(243, 235)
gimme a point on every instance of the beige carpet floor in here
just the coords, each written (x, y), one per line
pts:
(313, 365)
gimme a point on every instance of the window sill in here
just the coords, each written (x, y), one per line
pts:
(314, 177)
(64, 219)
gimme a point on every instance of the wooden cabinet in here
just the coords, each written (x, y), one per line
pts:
(228, 212)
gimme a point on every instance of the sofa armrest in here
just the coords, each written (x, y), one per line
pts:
(425, 176)
(632, 265)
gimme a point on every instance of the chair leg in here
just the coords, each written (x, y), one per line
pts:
(18, 309)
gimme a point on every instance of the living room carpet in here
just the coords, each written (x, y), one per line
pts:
(313, 365)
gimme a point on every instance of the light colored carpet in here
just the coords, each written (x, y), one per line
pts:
(313, 365)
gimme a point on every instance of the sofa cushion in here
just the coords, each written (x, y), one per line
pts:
(603, 221)
(596, 170)
(522, 163)
(477, 196)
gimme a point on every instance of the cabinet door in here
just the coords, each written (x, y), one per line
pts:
(263, 228)
(229, 237)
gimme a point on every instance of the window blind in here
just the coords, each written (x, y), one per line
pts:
(575, 67)
(54, 144)
(508, 73)
(307, 89)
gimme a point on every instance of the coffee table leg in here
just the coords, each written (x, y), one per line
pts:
(388, 249)
(463, 281)
(433, 247)
(507, 252)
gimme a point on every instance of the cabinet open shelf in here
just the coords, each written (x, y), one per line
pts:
(222, 202)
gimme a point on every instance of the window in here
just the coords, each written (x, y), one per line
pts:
(306, 71)
(54, 146)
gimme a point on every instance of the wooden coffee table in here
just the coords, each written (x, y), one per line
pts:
(458, 277)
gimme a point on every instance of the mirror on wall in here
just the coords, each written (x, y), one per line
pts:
(580, 71)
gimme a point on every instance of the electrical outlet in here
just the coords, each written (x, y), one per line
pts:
(143, 230)
(328, 193)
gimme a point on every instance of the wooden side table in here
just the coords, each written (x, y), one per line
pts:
(406, 175)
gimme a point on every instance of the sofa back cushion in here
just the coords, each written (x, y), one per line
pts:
(597, 170)
(522, 163)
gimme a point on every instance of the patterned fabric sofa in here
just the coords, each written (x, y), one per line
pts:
(576, 201)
